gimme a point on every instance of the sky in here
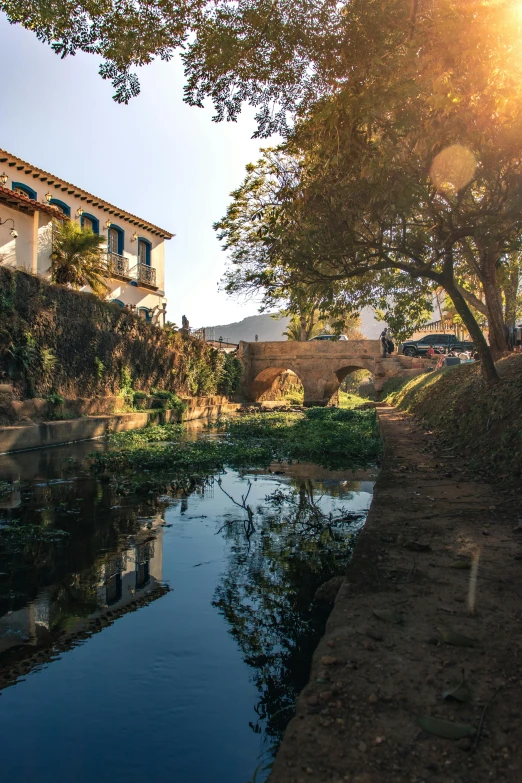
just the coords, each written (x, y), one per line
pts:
(157, 157)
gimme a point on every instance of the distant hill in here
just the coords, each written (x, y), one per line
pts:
(270, 329)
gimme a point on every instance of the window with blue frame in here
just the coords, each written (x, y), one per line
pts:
(117, 302)
(116, 238)
(89, 221)
(144, 313)
(62, 206)
(144, 251)
(24, 190)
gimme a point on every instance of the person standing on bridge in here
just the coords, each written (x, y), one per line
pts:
(384, 342)
(390, 347)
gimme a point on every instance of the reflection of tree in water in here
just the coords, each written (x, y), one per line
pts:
(267, 595)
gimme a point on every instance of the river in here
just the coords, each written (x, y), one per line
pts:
(162, 637)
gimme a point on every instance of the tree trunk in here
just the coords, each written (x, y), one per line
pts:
(489, 371)
(304, 332)
(496, 327)
(510, 294)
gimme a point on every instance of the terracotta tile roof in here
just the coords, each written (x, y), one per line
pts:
(84, 196)
(26, 204)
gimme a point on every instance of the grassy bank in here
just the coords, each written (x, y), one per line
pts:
(330, 437)
(483, 425)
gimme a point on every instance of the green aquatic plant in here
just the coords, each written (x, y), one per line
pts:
(179, 457)
(333, 438)
(153, 433)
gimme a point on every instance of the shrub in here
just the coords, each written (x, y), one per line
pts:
(54, 338)
(168, 400)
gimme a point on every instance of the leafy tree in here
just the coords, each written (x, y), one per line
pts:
(415, 78)
(381, 183)
(77, 258)
(255, 51)
(319, 323)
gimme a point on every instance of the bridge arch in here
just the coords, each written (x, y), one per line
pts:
(337, 377)
(265, 379)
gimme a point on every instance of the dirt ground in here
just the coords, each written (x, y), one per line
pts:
(372, 677)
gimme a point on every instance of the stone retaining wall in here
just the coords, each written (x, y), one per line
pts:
(54, 433)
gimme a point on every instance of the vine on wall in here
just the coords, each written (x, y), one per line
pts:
(53, 339)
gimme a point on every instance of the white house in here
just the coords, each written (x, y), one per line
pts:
(31, 198)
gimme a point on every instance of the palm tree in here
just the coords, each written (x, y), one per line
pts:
(303, 327)
(77, 258)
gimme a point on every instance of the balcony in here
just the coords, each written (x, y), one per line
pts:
(146, 276)
(141, 274)
(118, 266)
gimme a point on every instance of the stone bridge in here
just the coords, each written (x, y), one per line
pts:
(320, 365)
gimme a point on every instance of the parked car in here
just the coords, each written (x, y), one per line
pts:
(330, 337)
(441, 342)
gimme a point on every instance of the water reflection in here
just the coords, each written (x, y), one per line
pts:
(236, 626)
(302, 538)
(73, 560)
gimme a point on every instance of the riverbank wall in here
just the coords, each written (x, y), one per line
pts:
(37, 435)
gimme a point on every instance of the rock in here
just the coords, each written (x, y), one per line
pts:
(325, 695)
(328, 660)
(373, 698)
(327, 592)
(362, 747)
(465, 743)
(312, 700)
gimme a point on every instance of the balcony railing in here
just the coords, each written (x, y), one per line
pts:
(118, 265)
(146, 275)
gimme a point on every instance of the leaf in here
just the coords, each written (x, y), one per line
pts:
(462, 692)
(455, 638)
(444, 728)
(416, 546)
(464, 564)
(388, 616)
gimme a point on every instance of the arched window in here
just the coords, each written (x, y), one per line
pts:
(116, 240)
(89, 221)
(144, 313)
(24, 190)
(144, 251)
(117, 302)
(62, 206)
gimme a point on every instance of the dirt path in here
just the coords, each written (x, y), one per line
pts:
(356, 720)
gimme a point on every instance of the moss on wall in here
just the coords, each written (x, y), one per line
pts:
(53, 339)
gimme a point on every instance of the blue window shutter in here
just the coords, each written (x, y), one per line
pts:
(61, 205)
(94, 221)
(29, 192)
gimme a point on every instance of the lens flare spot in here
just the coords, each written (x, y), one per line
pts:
(453, 168)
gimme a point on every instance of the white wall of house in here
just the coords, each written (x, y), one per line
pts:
(16, 252)
(31, 250)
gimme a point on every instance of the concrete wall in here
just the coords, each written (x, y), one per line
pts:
(54, 433)
(17, 252)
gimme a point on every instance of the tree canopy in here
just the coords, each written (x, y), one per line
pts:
(412, 168)
(403, 120)
(78, 258)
